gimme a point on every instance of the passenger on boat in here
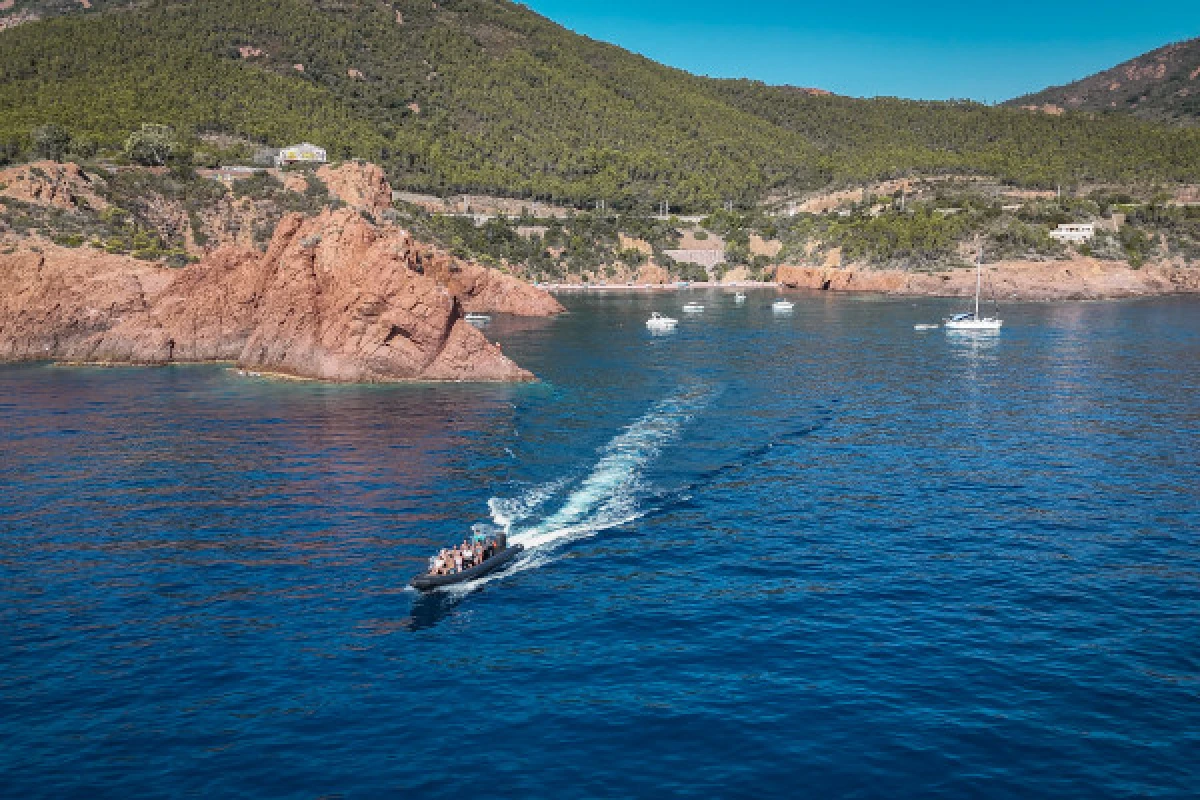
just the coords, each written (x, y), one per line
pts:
(449, 561)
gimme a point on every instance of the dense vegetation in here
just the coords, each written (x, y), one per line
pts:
(552, 249)
(486, 96)
(938, 232)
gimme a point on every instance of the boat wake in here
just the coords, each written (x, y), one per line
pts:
(612, 494)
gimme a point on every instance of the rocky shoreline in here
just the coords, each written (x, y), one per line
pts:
(335, 297)
(1078, 278)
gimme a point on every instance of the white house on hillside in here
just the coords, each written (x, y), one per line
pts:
(1074, 233)
(301, 154)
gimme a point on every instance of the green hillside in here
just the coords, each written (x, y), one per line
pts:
(486, 96)
(1162, 85)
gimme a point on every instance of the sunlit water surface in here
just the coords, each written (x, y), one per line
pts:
(815, 554)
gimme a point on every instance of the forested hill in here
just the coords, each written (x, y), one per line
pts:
(1162, 85)
(486, 96)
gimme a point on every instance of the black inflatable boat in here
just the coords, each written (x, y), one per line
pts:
(425, 582)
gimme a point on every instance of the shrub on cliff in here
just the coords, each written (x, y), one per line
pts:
(151, 146)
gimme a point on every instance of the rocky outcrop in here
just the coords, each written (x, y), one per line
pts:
(487, 291)
(1075, 279)
(49, 183)
(653, 274)
(361, 186)
(334, 298)
(54, 300)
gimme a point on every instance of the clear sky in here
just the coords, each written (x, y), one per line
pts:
(929, 50)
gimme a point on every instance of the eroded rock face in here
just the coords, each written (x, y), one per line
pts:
(487, 291)
(335, 298)
(54, 300)
(363, 187)
(50, 184)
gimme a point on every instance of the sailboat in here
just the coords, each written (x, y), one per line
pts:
(969, 321)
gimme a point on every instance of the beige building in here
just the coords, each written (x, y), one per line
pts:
(1083, 232)
(304, 153)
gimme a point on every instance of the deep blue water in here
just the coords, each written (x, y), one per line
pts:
(817, 555)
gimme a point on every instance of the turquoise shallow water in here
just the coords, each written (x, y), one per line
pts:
(816, 554)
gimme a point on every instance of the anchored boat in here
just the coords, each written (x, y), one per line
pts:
(658, 322)
(972, 321)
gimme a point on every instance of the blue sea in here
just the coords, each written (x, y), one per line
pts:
(807, 555)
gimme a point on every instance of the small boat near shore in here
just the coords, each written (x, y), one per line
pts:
(971, 321)
(427, 581)
(693, 308)
(478, 319)
(739, 298)
(659, 323)
(782, 306)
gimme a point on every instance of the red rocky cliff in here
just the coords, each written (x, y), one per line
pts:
(361, 186)
(335, 298)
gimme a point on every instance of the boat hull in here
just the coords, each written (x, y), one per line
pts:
(974, 325)
(426, 582)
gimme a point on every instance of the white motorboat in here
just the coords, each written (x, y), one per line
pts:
(693, 308)
(783, 306)
(739, 298)
(925, 326)
(659, 323)
(971, 321)
(478, 319)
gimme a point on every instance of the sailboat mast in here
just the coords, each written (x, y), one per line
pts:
(978, 280)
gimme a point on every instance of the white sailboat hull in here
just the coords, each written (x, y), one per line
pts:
(973, 324)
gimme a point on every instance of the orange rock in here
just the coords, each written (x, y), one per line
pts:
(335, 298)
(361, 186)
(1078, 278)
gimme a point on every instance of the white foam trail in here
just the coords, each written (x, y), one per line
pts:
(609, 496)
(507, 511)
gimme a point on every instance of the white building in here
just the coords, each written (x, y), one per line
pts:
(304, 153)
(1074, 233)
